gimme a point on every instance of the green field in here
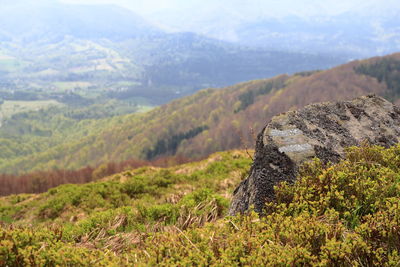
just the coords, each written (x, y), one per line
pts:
(71, 85)
(142, 109)
(9, 108)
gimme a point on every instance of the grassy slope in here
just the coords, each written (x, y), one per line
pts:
(344, 215)
(9, 108)
(144, 186)
(230, 114)
(29, 133)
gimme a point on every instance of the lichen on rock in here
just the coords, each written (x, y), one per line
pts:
(321, 130)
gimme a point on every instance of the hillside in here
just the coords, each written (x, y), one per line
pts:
(339, 215)
(195, 126)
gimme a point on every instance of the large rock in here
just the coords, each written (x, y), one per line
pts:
(319, 130)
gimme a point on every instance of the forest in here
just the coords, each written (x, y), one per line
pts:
(40, 181)
(386, 71)
(70, 139)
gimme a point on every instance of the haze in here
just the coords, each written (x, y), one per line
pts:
(161, 50)
(221, 19)
(250, 7)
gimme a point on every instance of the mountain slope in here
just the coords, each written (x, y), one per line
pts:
(208, 121)
(347, 214)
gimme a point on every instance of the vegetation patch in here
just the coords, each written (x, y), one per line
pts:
(337, 215)
(247, 98)
(386, 70)
(9, 108)
(86, 134)
(170, 144)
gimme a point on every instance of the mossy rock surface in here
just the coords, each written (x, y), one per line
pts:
(321, 130)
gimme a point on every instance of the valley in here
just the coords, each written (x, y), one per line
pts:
(193, 127)
(81, 55)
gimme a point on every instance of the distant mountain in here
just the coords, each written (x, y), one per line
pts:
(51, 21)
(350, 34)
(355, 28)
(195, 126)
(107, 50)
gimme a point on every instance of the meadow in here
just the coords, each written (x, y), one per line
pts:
(10, 108)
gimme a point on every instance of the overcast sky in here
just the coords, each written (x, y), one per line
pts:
(267, 7)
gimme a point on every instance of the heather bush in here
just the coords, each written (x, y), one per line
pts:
(27, 247)
(346, 214)
(339, 215)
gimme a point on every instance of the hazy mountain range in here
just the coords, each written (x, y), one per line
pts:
(49, 46)
(195, 126)
(356, 28)
(107, 50)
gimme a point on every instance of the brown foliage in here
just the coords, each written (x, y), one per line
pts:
(41, 181)
(228, 115)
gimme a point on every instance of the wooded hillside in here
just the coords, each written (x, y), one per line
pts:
(195, 126)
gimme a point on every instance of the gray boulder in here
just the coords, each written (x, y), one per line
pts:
(320, 130)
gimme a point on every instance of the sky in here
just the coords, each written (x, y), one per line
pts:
(265, 7)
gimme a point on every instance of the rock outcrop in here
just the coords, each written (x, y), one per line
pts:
(320, 130)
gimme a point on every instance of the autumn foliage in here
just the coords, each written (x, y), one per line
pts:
(195, 126)
(41, 181)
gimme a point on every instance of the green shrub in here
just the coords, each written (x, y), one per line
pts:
(25, 247)
(107, 222)
(342, 215)
(112, 217)
(86, 197)
(164, 213)
(346, 214)
(358, 186)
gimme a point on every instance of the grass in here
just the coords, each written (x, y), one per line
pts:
(146, 186)
(341, 215)
(9, 108)
(127, 83)
(143, 109)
